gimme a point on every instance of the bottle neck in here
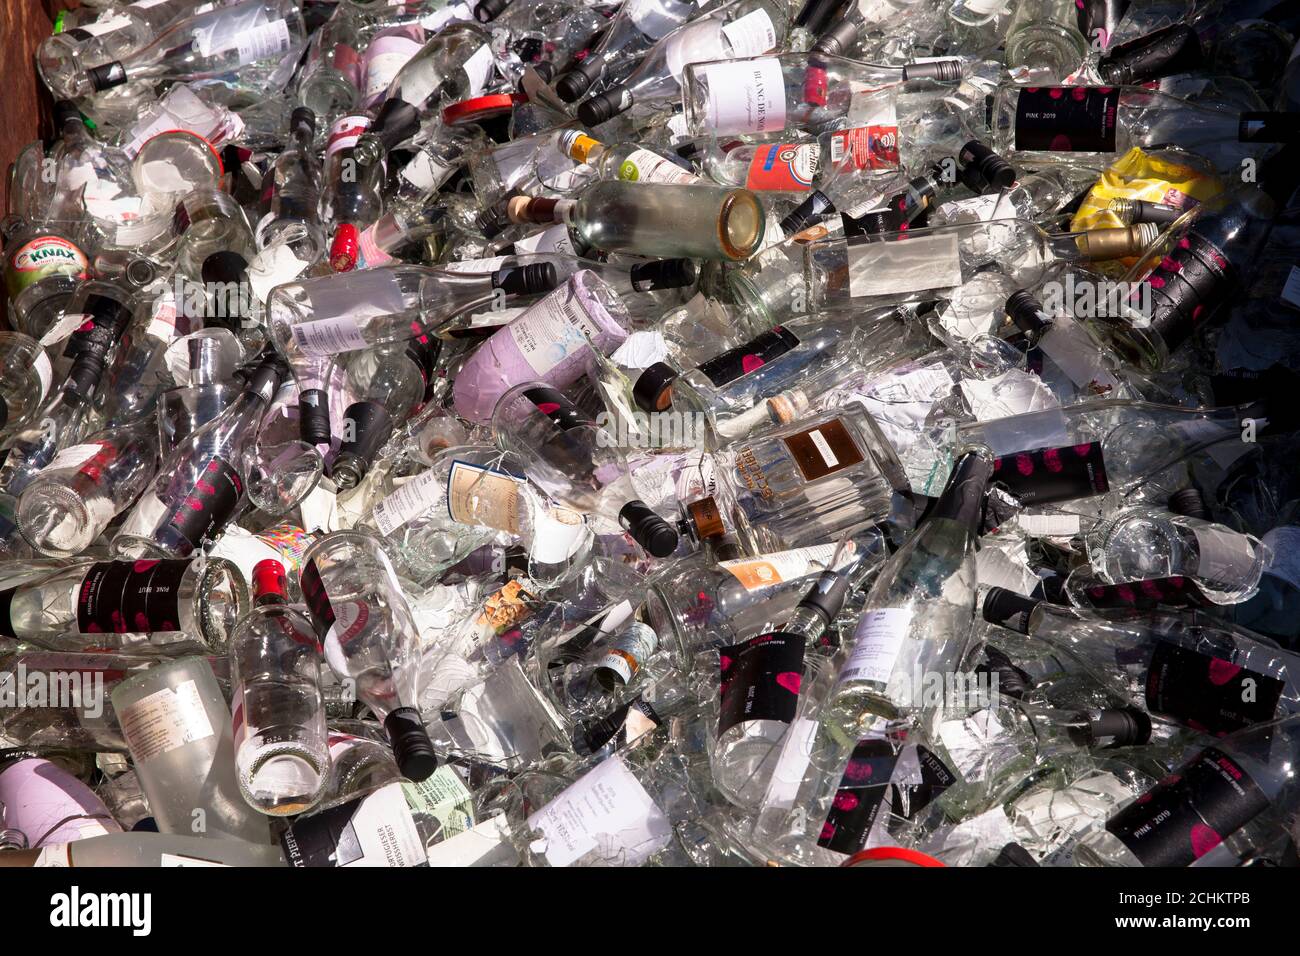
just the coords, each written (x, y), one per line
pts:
(963, 497)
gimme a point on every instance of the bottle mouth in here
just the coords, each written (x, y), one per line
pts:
(56, 521)
(740, 224)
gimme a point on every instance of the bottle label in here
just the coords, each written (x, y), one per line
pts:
(858, 798)
(823, 450)
(210, 504)
(376, 830)
(1225, 557)
(895, 267)
(424, 172)
(74, 456)
(607, 813)
(1067, 119)
(620, 728)
(337, 623)
(780, 566)
(1147, 594)
(745, 97)
(750, 357)
(445, 798)
(643, 166)
(629, 651)
(866, 147)
(916, 787)
(107, 23)
(783, 167)
(507, 606)
(750, 35)
(484, 496)
(1189, 813)
(1208, 693)
(1043, 475)
(412, 499)
(384, 57)
(328, 336)
(44, 371)
(44, 256)
(1184, 287)
(760, 679)
(164, 721)
(552, 329)
(263, 42)
(117, 597)
(345, 132)
(876, 645)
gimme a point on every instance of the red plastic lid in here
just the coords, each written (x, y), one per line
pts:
(345, 248)
(268, 578)
(481, 107)
(891, 856)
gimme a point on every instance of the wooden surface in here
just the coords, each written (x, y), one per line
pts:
(25, 105)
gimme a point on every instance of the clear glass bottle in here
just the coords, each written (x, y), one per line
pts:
(73, 499)
(919, 613)
(699, 221)
(1140, 543)
(295, 194)
(362, 619)
(628, 37)
(255, 38)
(1043, 36)
(177, 724)
(282, 756)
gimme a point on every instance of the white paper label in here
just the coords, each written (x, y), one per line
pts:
(780, 566)
(823, 448)
(54, 855)
(893, 267)
(43, 371)
(606, 811)
(558, 534)
(73, 456)
(1074, 352)
(381, 832)
(643, 166)
(746, 97)
(476, 266)
(750, 35)
(1049, 525)
(411, 500)
(550, 331)
(345, 133)
(274, 266)
(477, 68)
(164, 721)
(328, 336)
(481, 496)
(384, 57)
(877, 642)
(1226, 557)
(553, 239)
(440, 18)
(787, 775)
(106, 24)
(260, 43)
(67, 324)
(924, 384)
(424, 172)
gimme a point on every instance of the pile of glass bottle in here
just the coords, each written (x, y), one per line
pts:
(555, 432)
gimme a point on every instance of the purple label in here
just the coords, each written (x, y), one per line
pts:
(1188, 814)
(1043, 475)
(1077, 119)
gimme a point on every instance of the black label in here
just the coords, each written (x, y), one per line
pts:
(1188, 814)
(750, 357)
(317, 598)
(1208, 693)
(555, 406)
(760, 679)
(1146, 595)
(861, 791)
(1185, 286)
(1067, 118)
(117, 597)
(6, 619)
(1043, 475)
(908, 799)
(210, 504)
